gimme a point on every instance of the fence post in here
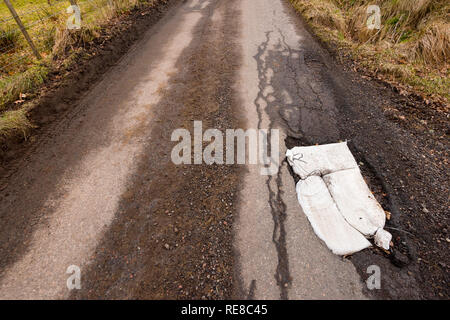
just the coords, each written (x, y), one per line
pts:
(22, 28)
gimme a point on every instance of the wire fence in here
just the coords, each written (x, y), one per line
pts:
(30, 38)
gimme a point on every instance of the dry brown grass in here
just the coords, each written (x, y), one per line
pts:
(14, 121)
(69, 40)
(412, 45)
(323, 13)
(433, 47)
(61, 45)
(420, 29)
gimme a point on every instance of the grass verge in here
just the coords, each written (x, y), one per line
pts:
(59, 47)
(410, 50)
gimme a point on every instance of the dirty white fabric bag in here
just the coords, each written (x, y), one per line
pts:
(320, 160)
(355, 201)
(325, 218)
(334, 196)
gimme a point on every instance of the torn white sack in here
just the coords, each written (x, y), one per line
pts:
(335, 198)
(325, 218)
(355, 201)
(320, 160)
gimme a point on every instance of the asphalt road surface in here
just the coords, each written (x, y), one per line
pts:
(101, 192)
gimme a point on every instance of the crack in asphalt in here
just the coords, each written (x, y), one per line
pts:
(276, 203)
(287, 66)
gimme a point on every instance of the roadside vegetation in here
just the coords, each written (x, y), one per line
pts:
(21, 73)
(411, 49)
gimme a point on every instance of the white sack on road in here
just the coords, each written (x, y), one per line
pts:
(320, 160)
(325, 218)
(336, 199)
(355, 201)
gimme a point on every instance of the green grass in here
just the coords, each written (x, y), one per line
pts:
(18, 4)
(21, 83)
(13, 122)
(26, 9)
(9, 38)
(393, 21)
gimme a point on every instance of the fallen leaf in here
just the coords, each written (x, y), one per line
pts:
(388, 215)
